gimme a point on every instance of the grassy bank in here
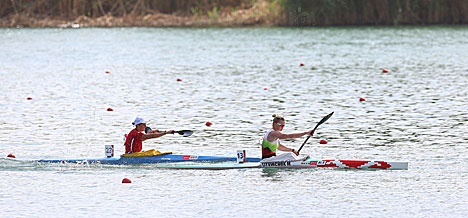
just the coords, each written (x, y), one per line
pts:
(66, 13)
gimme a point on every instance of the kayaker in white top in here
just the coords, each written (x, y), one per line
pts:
(271, 140)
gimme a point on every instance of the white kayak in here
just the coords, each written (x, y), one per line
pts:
(300, 163)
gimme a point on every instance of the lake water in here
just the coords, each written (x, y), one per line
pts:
(417, 112)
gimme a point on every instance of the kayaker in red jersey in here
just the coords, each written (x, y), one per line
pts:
(134, 140)
(271, 140)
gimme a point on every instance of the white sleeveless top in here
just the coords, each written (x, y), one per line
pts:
(266, 137)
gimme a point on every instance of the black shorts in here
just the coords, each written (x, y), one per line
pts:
(267, 156)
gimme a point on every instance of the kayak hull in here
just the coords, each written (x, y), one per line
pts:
(166, 158)
(254, 162)
(213, 166)
(308, 163)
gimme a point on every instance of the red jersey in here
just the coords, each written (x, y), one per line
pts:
(133, 142)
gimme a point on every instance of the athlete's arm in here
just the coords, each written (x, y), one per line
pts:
(155, 135)
(280, 135)
(284, 148)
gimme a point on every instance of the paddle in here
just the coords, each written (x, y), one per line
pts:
(318, 124)
(185, 133)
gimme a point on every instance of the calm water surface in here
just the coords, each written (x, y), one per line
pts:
(417, 112)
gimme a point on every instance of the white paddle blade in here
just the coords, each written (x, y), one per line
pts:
(186, 133)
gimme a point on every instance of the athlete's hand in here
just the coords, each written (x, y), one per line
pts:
(295, 152)
(170, 132)
(311, 132)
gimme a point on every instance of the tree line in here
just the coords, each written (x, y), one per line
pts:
(376, 12)
(293, 12)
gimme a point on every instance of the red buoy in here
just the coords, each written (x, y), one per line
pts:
(179, 79)
(362, 99)
(110, 109)
(301, 64)
(126, 180)
(11, 155)
(323, 141)
(384, 71)
(29, 98)
(107, 72)
(265, 88)
(208, 123)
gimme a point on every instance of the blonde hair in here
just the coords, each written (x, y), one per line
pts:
(277, 118)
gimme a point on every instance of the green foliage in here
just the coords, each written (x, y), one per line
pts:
(213, 14)
(196, 12)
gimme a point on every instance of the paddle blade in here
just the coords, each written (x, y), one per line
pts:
(185, 133)
(318, 124)
(148, 130)
(324, 119)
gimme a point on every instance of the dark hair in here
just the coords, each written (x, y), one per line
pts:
(277, 118)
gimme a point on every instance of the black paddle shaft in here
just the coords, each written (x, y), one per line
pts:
(318, 124)
(185, 133)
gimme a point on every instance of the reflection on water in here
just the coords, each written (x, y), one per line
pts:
(271, 172)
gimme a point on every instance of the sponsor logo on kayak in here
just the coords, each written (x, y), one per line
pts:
(276, 164)
(189, 157)
(313, 163)
(322, 162)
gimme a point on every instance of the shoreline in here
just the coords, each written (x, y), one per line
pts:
(151, 20)
(166, 20)
(260, 14)
(187, 22)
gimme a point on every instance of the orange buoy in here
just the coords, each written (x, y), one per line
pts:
(110, 109)
(384, 71)
(323, 141)
(126, 180)
(179, 79)
(11, 155)
(362, 99)
(29, 98)
(208, 123)
(301, 64)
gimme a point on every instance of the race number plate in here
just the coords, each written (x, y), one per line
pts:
(109, 150)
(240, 156)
